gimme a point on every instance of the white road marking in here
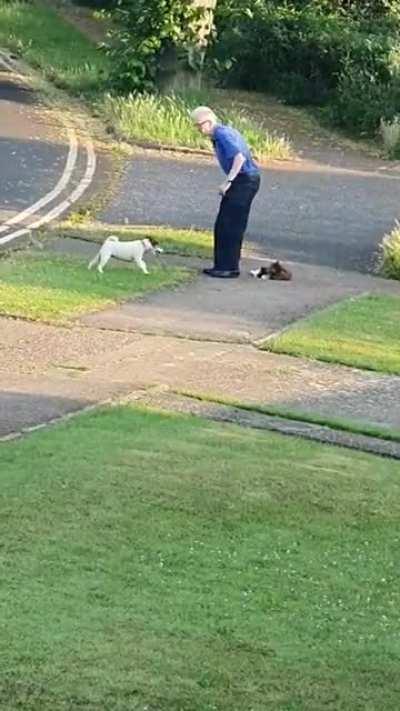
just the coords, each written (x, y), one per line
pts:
(65, 204)
(61, 185)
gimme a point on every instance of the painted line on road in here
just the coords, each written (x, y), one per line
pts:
(65, 177)
(61, 185)
(65, 204)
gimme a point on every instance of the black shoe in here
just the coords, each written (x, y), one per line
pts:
(221, 274)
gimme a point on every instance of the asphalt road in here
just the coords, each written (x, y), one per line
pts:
(33, 150)
(307, 212)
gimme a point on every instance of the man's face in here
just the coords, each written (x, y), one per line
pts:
(205, 126)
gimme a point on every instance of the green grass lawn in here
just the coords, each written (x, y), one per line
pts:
(53, 288)
(362, 332)
(62, 53)
(191, 243)
(167, 563)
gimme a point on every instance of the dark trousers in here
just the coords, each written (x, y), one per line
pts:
(232, 220)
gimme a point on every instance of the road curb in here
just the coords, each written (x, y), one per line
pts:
(170, 402)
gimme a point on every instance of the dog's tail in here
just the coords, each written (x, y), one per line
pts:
(112, 238)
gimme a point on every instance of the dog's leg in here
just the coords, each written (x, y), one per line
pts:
(94, 260)
(104, 258)
(141, 264)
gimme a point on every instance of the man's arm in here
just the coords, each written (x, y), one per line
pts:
(237, 164)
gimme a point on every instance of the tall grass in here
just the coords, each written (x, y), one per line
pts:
(166, 120)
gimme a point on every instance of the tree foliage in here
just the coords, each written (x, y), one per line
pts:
(343, 55)
(152, 32)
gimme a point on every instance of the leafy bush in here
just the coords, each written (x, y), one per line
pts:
(390, 132)
(360, 8)
(148, 35)
(295, 52)
(362, 101)
(97, 4)
(390, 254)
(343, 54)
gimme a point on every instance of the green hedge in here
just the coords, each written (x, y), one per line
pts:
(97, 4)
(349, 63)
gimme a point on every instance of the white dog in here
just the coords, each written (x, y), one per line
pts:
(128, 251)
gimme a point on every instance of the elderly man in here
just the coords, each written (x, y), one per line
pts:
(237, 191)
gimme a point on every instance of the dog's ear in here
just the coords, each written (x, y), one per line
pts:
(155, 246)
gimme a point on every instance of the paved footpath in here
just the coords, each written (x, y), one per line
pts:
(48, 371)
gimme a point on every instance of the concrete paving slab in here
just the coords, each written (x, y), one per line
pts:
(240, 310)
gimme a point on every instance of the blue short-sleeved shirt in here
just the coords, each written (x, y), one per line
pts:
(227, 143)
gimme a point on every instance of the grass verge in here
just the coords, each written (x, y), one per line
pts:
(335, 423)
(72, 62)
(164, 120)
(191, 243)
(63, 54)
(52, 288)
(359, 332)
(155, 561)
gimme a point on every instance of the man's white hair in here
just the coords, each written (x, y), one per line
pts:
(203, 113)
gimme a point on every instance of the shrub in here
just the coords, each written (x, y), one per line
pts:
(97, 4)
(364, 9)
(390, 132)
(150, 35)
(390, 254)
(294, 52)
(343, 55)
(362, 101)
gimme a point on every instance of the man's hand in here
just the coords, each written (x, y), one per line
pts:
(224, 187)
